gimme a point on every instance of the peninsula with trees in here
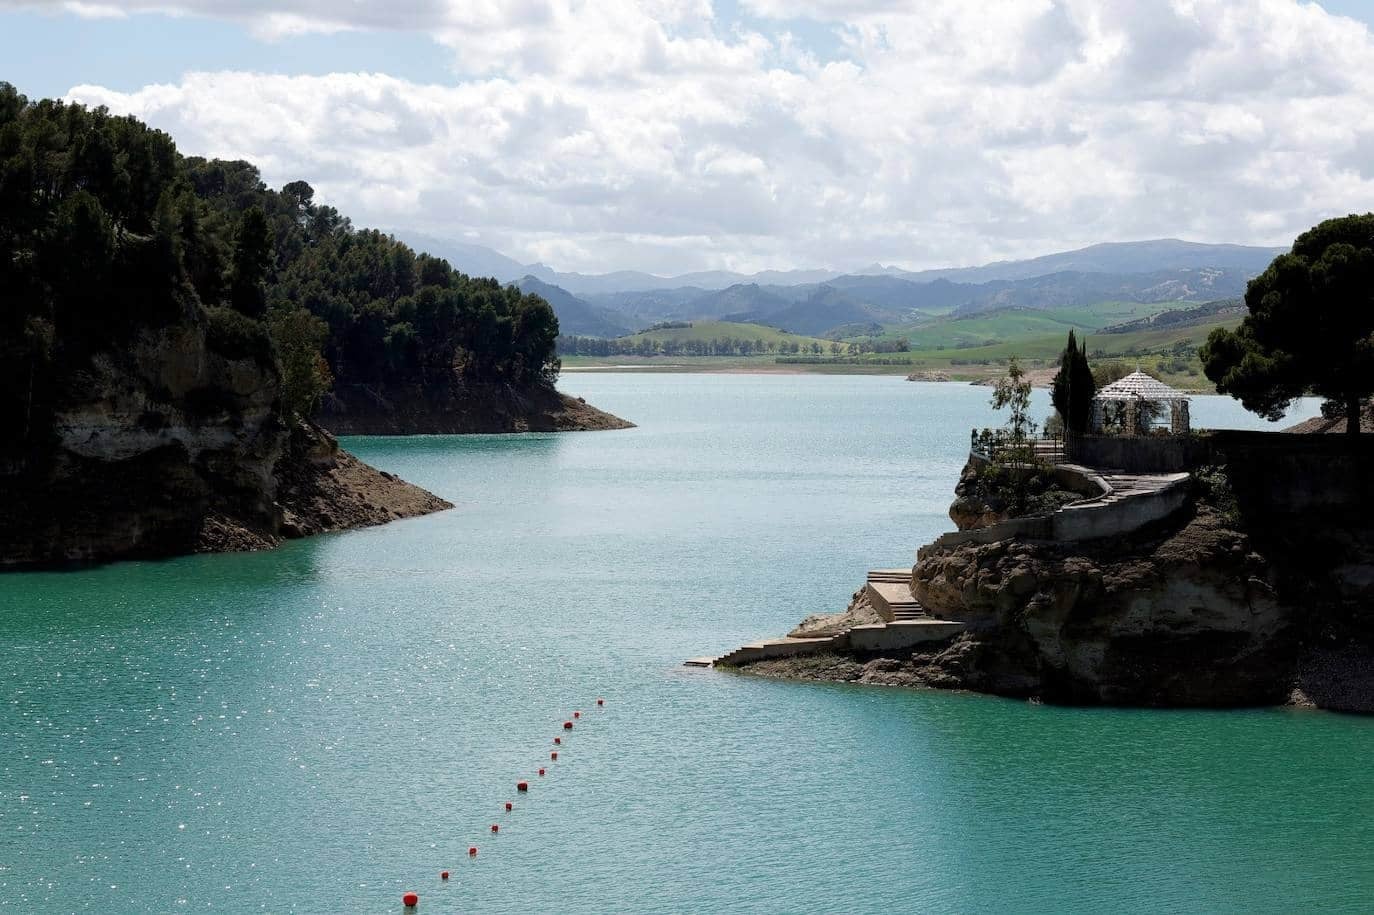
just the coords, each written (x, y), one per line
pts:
(1122, 557)
(177, 340)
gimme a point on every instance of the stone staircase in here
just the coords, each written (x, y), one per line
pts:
(889, 590)
(906, 625)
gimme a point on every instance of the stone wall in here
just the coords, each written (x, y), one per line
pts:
(1174, 453)
(1142, 454)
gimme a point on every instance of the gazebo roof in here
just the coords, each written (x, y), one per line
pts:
(1139, 386)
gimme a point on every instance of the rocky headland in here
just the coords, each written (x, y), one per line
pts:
(177, 340)
(1256, 590)
(176, 442)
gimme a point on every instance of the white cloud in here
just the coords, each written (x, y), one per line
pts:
(650, 134)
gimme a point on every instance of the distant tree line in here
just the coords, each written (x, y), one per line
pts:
(880, 345)
(842, 360)
(106, 230)
(639, 345)
(716, 346)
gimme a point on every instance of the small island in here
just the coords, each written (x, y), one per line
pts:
(1122, 557)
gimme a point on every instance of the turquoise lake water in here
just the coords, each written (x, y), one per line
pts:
(324, 726)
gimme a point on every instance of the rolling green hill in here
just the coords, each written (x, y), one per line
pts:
(1010, 324)
(1169, 352)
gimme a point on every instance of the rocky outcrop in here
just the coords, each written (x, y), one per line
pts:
(1260, 590)
(458, 409)
(174, 444)
(986, 494)
(1153, 620)
(860, 612)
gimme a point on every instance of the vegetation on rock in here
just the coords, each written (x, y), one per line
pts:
(106, 232)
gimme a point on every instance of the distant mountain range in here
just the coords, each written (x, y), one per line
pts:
(817, 302)
(576, 317)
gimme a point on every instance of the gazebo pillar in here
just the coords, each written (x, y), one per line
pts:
(1179, 421)
(1130, 422)
(1097, 421)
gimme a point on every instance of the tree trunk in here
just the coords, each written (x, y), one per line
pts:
(1352, 415)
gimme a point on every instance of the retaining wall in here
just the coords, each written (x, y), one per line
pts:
(1084, 520)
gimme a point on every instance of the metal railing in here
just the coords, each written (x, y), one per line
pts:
(1001, 447)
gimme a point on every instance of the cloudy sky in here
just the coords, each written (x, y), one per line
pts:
(673, 135)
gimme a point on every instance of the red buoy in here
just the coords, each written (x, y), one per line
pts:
(557, 741)
(541, 771)
(472, 851)
(601, 702)
(553, 755)
(508, 806)
(443, 875)
(522, 786)
(495, 828)
(410, 900)
(577, 714)
(567, 725)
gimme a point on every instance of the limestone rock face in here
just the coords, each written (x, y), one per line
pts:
(161, 446)
(1188, 618)
(973, 507)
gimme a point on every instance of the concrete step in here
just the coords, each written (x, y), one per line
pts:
(888, 596)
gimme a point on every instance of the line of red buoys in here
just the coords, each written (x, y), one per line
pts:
(410, 899)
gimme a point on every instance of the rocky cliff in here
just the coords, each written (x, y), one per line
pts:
(1259, 591)
(175, 442)
(459, 408)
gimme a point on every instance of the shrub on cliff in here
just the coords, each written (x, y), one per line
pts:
(297, 336)
(234, 335)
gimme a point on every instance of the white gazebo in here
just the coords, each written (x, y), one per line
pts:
(1130, 406)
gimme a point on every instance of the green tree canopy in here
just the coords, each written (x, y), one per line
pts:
(1073, 387)
(252, 258)
(1310, 329)
(106, 231)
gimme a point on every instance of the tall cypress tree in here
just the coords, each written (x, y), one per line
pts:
(1073, 387)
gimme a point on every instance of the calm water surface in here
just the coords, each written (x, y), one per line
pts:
(321, 727)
